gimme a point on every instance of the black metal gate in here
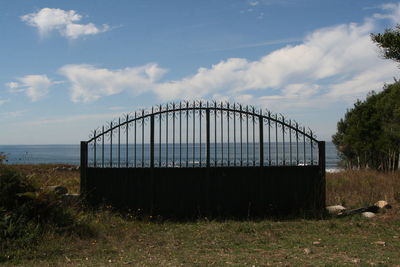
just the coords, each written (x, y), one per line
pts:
(208, 153)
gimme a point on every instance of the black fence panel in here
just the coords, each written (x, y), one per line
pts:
(194, 192)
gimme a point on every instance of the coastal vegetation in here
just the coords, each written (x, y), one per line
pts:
(369, 134)
(106, 237)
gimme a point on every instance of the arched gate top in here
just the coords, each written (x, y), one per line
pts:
(202, 105)
(202, 134)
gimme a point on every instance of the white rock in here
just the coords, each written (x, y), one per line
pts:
(381, 204)
(368, 214)
(336, 209)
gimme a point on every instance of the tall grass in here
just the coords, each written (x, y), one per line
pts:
(27, 212)
(355, 188)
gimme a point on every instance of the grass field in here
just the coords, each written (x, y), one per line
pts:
(121, 239)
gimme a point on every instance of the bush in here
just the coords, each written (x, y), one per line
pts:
(26, 212)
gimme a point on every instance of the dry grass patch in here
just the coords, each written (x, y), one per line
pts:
(356, 188)
(51, 174)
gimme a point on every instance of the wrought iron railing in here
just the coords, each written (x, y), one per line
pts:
(201, 134)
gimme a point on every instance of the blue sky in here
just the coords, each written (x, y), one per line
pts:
(67, 67)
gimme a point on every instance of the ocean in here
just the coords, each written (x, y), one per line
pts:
(70, 154)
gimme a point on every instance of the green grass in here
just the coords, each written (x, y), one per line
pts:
(121, 240)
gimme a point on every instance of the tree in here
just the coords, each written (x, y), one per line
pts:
(369, 134)
(389, 42)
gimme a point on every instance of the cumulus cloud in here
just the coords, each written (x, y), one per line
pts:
(338, 63)
(342, 53)
(392, 12)
(47, 20)
(89, 83)
(35, 87)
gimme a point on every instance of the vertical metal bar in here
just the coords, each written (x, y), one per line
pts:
(283, 140)
(227, 117)
(142, 138)
(159, 137)
(297, 144)
(276, 140)
(166, 136)
(234, 134)
(254, 140)
(215, 134)
(187, 133)
(134, 144)
(200, 110)
(311, 148)
(94, 149)
(180, 134)
(83, 167)
(241, 136)
(173, 136)
(247, 135)
(111, 135)
(269, 138)
(102, 147)
(207, 137)
(304, 145)
(119, 142)
(152, 139)
(322, 166)
(261, 133)
(222, 135)
(194, 130)
(127, 141)
(290, 142)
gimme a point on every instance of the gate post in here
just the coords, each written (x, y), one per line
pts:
(207, 137)
(322, 166)
(261, 125)
(83, 167)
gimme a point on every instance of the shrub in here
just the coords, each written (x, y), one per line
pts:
(26, 212)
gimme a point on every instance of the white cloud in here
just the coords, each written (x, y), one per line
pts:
(89, 83)
(393, 14)
(253, 3)
(36, 87)
(341, 53)
(12, 85)
(330, 65)
(55, 19)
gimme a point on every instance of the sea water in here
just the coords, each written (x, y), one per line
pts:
(70, 154)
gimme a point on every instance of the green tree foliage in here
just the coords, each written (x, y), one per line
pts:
(369, 134)
(389, 42)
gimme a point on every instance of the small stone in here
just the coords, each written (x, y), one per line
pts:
(381, 243)
(355, 260)
(381, 204)
(316, 243)
(307, 251)
(368, 214)
(335, 210)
